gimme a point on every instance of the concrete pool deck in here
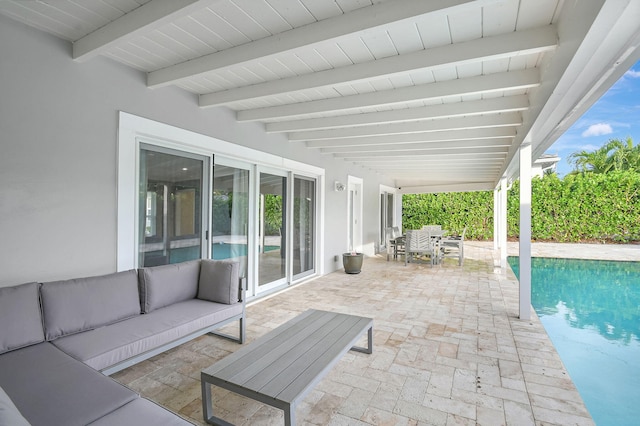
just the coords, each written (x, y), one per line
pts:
(449, 349)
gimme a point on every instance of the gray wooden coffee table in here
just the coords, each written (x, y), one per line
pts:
(280, 367)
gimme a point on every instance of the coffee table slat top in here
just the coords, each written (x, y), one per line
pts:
(250, 360)
(287, 361)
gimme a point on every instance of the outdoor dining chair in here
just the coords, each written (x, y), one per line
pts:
(395, 242)
(419, 244)
(453, 246)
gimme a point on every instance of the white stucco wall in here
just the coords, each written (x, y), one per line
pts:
(58, 127)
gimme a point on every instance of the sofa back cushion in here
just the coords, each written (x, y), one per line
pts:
(219, 281)
(81, 304)
(20, 318)
(168, 284)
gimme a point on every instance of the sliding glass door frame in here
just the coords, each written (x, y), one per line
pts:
(314, 246)
(205, 205)
(284, 278)
(251, 219)
(134, 131)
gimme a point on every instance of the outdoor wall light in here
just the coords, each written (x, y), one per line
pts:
(339, 186)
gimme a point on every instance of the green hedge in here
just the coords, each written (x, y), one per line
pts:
(579, 208)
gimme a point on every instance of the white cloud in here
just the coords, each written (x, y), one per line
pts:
(598, 130)
(588, 147)
(632, 74)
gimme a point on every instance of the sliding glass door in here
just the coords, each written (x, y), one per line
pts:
(230, 215)
(304, 209)
(265, 218)
(171, 208)
(386, 215)
(272, 230)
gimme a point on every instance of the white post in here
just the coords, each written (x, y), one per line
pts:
(525, 231)
(503, 223)
(496, 219)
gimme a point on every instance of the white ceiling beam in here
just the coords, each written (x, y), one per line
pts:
(497, 82)
(509, 119)
(141, 20)
(434, 189)
(332, 29)
(448, 170)
(442, 174)
(450, 110)
(440, 166)
(441, 157)
(442, 151)
(437, 174)
(536, 40)
(398, 148)
(419, 164)
(467, 134)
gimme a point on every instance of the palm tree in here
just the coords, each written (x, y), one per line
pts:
(615, 155)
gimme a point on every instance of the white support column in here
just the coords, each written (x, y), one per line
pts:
(496, 219)
(525, 231)
(503, 222)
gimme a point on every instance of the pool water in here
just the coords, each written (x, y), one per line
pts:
(231, 250)
(591, 311)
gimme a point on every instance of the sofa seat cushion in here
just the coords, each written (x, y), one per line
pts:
(51, 388)
(168, 284)
(80, 304)
(104, 347)
(9, 413)
(141, 412)
(20, 319)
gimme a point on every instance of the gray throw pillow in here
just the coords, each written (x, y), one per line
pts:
(168, 284)
(9, 414)
(219, 281)
(20, 318)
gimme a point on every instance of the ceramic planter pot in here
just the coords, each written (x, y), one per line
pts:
(352, 262)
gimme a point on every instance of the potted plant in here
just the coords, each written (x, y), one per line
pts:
(352, 262)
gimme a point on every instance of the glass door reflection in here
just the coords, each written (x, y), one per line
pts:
(304, 207)
(272, 268)
(230, 215)
(171, 210)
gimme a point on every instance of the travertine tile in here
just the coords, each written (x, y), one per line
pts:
(448, 350)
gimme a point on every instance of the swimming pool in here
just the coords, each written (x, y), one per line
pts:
(591, 311)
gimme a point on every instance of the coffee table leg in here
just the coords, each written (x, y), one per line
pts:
(290, 416)
(369, 348)
(207, 409)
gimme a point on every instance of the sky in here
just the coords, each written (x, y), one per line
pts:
(616, 115)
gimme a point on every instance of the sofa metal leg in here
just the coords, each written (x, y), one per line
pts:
(239, 339)
(242, 330)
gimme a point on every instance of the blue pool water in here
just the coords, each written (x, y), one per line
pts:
(219, 251)
(229, 250)
(591, 311)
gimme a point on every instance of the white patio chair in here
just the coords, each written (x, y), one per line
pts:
(454, 246)
(432, 228)
(394, 242)
(419, 243)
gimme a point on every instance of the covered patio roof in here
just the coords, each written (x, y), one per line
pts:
(437, 96)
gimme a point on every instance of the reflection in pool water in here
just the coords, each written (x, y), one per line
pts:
(591, 311)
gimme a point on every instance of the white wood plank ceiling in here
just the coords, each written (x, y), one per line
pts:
(436, 95)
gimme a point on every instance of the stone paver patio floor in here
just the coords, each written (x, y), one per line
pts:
(449, 349)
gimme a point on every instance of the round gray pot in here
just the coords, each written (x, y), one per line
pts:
(352, 262)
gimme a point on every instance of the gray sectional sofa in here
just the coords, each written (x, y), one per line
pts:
(59, 340)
